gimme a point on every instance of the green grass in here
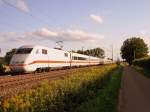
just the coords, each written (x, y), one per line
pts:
(2, 65)
(106, 99)
(61, 95)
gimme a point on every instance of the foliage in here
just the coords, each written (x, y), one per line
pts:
(118, 62)
(134, 48)
(9, 55)
(143, 65)
(143, 62)
(107, 98)
(60, 95)
(2, 68)
(2, 60)
(97, 52)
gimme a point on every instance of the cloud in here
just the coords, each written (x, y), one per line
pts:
(13, 37)
(19, 4)
(96, 18)
(74, 38)
(22, 5)
(66, 35)
(46, 34)
(143, 32)
(6, 36)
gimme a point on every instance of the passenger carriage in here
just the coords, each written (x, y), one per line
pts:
(30, 58)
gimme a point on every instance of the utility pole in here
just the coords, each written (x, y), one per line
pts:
(0, 51)
(133, 54)
(82, 50)
(112, 53)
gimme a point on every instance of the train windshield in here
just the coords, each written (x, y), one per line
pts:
(24, 51)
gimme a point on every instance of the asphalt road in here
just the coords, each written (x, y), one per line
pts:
(135, 92)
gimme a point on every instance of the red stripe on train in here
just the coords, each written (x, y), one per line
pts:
(41, 61)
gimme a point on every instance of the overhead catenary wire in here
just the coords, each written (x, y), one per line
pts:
(4, 23)
(27, 13)
(42, 13)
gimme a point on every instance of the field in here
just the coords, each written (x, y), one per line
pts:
(10, 85)
(63, 95)
(107, 98)
(143, 65)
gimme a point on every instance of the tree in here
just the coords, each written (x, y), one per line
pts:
(9, 55)
(96, 52)
(133, 48)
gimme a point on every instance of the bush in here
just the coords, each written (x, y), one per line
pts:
(118, 62)
(2, 68)
(61, 95)
(144, 62)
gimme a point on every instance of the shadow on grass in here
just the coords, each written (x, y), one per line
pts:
(145, 71)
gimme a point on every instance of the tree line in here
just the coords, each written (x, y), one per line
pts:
(96, 52)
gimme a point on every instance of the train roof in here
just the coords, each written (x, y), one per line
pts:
(32, 46)
(39, 46)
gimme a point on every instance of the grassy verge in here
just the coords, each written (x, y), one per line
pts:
(143, 62)
(144, 71)
(61, 95)
(106, 99)
(142, 65)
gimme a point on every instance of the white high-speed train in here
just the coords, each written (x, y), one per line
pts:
(30, 58)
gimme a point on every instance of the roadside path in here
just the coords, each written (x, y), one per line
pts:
(135, 92)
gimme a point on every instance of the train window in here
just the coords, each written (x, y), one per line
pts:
(24, 51)
(78, 58)
(81, 58)
(75, 58)
(66, 54)
(44, 51)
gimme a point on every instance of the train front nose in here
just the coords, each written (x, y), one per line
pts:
(17, 63)
(18, 66)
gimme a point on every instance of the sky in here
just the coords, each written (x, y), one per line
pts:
(80, 24)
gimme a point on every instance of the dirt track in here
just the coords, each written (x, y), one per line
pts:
(135, 92)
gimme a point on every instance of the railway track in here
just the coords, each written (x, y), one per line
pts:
(11, 85)
(17, 84)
